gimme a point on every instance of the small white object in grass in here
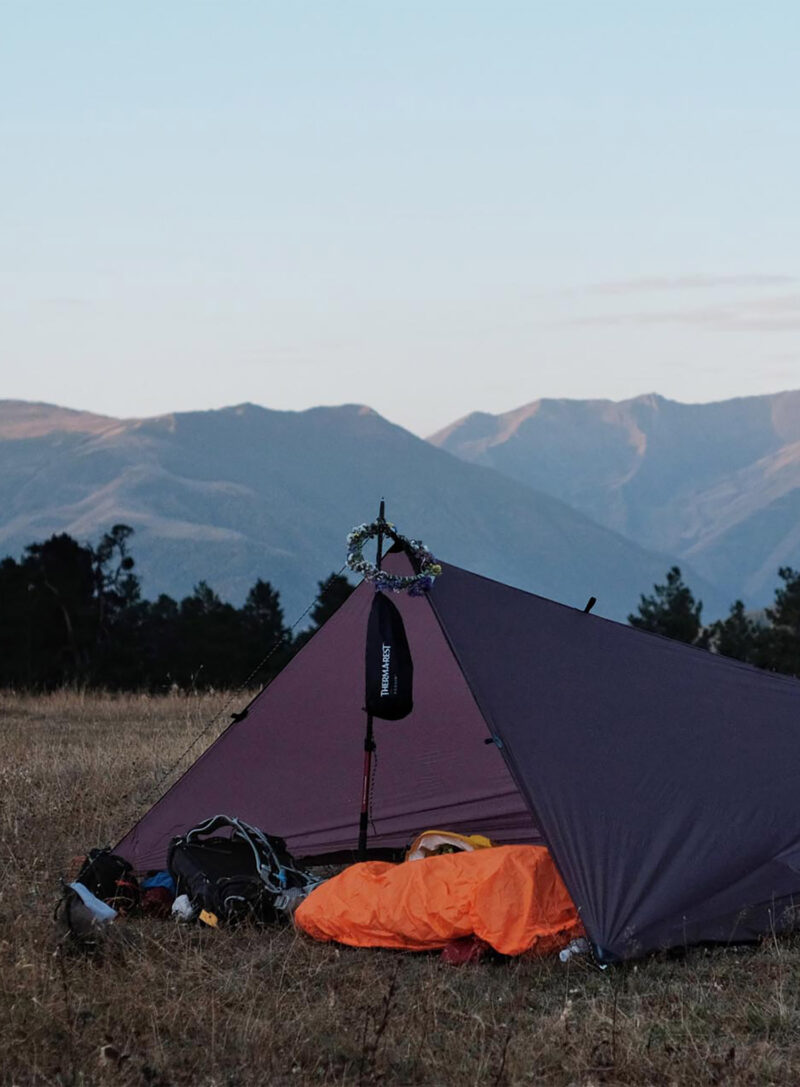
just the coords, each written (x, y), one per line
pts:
(183, 910)
(577, 947)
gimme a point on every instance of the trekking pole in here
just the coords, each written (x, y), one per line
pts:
(369, 739)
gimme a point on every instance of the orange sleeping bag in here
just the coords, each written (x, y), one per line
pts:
(510, 896)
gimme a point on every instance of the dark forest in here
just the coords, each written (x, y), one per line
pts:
(72, 614)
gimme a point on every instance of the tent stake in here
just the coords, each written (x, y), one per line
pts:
(369, 739)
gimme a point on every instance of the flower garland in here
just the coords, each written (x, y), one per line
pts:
(417, 584)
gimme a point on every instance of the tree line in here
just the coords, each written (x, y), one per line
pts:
(769, 639)
(73, 614)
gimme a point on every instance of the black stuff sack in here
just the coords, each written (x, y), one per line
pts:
(389, 668)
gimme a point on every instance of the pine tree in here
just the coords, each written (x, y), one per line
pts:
(333, 592)
(738, 636)
(782, 640)
(671, 610)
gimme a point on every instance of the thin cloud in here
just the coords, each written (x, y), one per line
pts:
(683, 283)
(64, 302)
(781, 374)
(777, 314)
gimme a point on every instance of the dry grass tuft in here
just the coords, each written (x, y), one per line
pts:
(169, 1005)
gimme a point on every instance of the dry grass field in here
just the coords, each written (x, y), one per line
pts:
(188, 1006)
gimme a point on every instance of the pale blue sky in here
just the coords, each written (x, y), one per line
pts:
(430, 207)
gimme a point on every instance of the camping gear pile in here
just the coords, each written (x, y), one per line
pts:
(466, 897)
(221, 871)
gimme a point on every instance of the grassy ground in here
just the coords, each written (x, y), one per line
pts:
(238, 1008)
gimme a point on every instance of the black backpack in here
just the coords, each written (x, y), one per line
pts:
(238, 874)
(110, 878)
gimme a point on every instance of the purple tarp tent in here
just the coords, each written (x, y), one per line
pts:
(664, 779)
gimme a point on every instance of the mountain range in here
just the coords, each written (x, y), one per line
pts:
(717, 485)
(245, 492)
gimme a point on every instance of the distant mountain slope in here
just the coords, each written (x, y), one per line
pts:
(717, 484)
(245, 492)
(25, 419)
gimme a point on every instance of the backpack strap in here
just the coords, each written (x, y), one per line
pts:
(272, 871)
